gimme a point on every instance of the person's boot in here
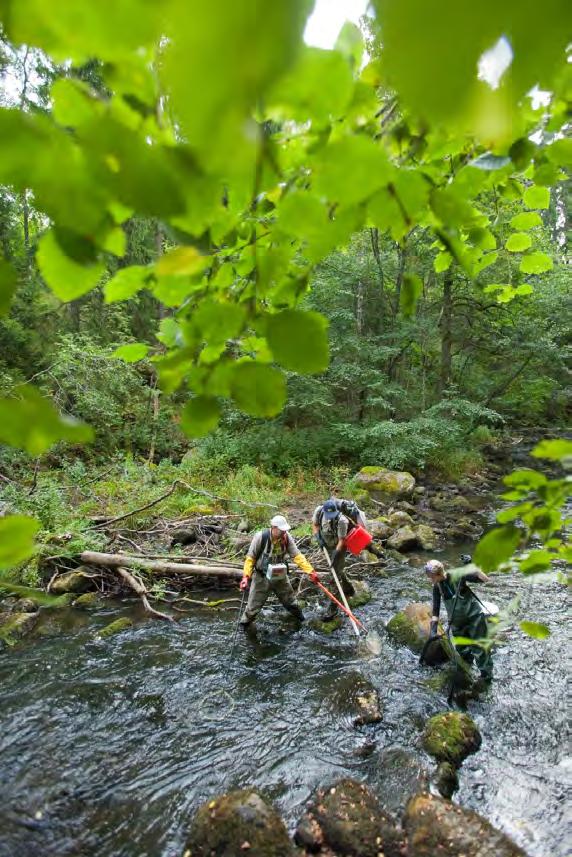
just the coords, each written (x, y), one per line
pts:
(296, 611)
(244, 621)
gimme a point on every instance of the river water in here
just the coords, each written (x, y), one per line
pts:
(107, 747)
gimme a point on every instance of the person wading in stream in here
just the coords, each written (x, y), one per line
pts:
(331, 527)
(266, 565)
(465, 613)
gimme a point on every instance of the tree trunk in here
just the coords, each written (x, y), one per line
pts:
(446, 331)
(374, 236)
(114, 560)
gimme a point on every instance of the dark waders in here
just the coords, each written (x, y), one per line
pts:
(260, 589)
(466, 619)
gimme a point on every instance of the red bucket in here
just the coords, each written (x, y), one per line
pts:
(358, 539)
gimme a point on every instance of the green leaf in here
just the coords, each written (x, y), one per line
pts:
(8, 284)
(535, 629)
(218, 61)
(351, 170)
(518, 242)
(537, 197)
(131, 353)
(513, 512)
(170, 332)
(555, 450)
(17, 534)
(522, 152)
(497, 547)
(350, 44)
(526, 220)
(560, 152)
(299, 341)
(73, 105)
(442, 262)
(44, 599)
(411, 289)
(319, 87)
(536, 561)
(182, 261)
(126, 283)
(200, 416)
(536, 263)
(215, 322)
(529, 479)
(258, 389)
(66, 278)
(31, 422)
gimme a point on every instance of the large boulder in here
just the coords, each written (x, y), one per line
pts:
(399, 518)
(411, 626)
(379, 529)
(451, 737)
(385, 485)
(399, 774)
(436, 826)
(240, 822)
(72, 581)
(426, 537)
(403, 539)
(346, 820)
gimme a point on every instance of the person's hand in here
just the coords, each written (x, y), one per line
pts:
(320, 539)
(433, 628)
(244, 583)
(314, 577)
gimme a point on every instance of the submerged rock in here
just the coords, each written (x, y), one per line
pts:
(411, 628)
(14, 626)
(385, 485)
(435, 826)
(328, 626)
(115, 627)
(240, 822)
(346, 819)
(451, 737)
(71, 581)
(400, 775)
(361, 596)
(446, 779)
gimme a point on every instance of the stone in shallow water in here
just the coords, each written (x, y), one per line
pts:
(345, 819)
(435, 826)
(451, 737)
(240, 822)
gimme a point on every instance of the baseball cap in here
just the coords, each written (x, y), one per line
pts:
(330, 509)
(280, 522)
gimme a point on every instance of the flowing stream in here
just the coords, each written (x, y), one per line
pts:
(107, 747)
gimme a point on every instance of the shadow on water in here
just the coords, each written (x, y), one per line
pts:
(107, 747)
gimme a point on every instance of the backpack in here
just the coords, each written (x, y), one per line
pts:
(351, 510)
(266, 550)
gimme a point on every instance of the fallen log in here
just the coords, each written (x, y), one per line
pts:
(119, 560)
(141, 591)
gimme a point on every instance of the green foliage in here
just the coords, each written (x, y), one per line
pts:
(31, 422)
(535, 629)
(16, 539)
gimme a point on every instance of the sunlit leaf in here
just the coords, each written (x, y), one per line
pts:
(350, 43)
(518, 242)
(131, 353)
(497, 547)
(258, 389)
(17, 534)
(535, 629)
(215, 322)
(31, 422)
(182, 261)
(555, 450)
(299, 341)
(536, 263)
(442, 262)
(200, 416)
(126, 283)
(350, 170)
(536, 561)
(526, 220)
(537, 197)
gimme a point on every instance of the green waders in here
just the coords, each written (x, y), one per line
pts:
(331, 609)
(468, 620)
(260, 589)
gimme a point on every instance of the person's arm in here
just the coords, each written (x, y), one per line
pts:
(343, 525)
(250, 559)
(436, 610)
(476, 577)
(298, 557)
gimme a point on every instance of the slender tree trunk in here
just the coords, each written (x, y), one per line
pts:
(402, 257)
(374, 236)
(446, 331)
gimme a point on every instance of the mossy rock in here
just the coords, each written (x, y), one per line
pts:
(435, 826)
(14, 626)
(346, 819)
(88, 599)
(115, 627)
(451, 737)
(426, 537)
(327, 627)
(385, 485)
(404, 539)
(399, 519)
(72, 581)
(240, 822)
(410, 627)
(379, 528)
(362, 594)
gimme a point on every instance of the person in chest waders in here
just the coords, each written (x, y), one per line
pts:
(266, 566)
(331, 527)
(464, 611)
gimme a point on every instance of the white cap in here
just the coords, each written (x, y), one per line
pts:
(280, 522)
(433, 566)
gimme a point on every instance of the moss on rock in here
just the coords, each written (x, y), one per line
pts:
(385, 484)
(14, 626)
(115, 627)
(362, 594)
(88, 599)
(71, 581)
(240, 822)
(451, 737)
(327, 627)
